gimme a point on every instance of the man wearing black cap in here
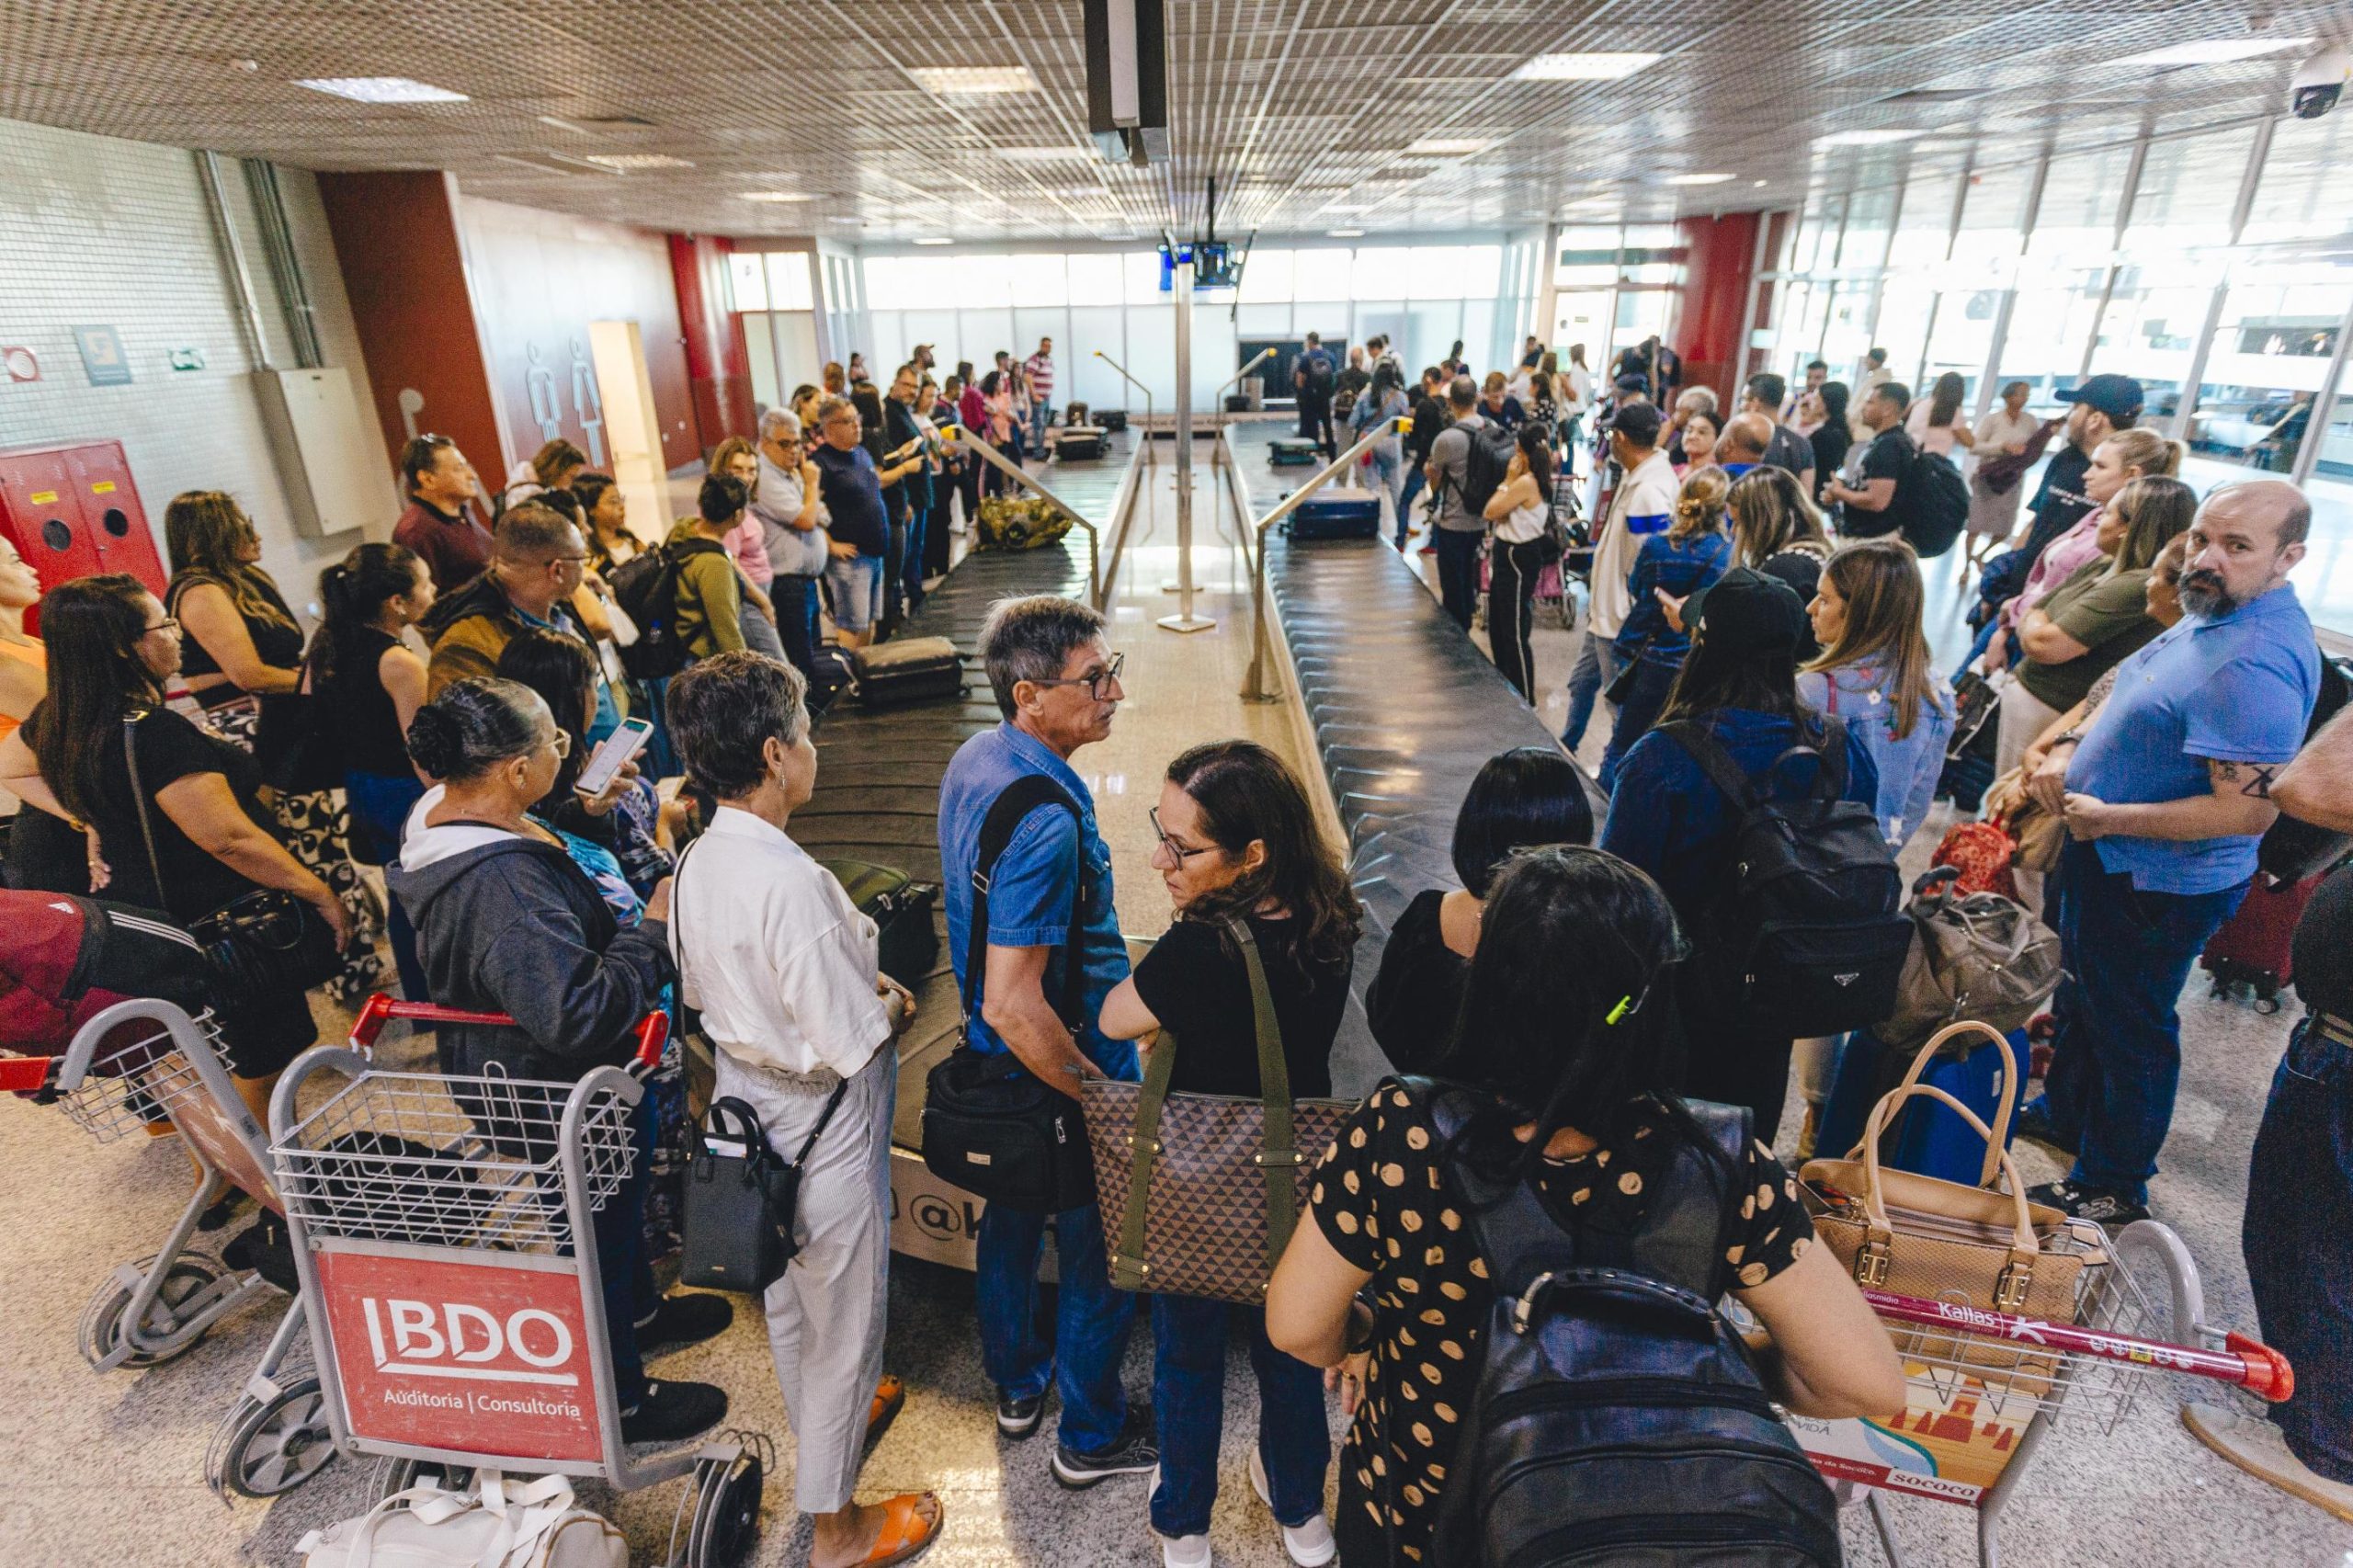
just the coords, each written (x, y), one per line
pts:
(1666, 816)
(2103, 406)
(1642, 504)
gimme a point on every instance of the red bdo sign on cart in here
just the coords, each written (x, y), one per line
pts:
(489, 1357)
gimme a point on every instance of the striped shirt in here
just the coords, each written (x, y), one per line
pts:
(1041, 371)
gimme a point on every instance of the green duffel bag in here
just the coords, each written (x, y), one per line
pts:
(908, 943)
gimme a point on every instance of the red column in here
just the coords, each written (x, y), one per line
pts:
(719, 367)
(1722, 257)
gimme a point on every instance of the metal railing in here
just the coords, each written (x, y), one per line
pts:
(1015, 471)
(1254, 687)
(1148, 414)
(1217, 401)
(1123, 507)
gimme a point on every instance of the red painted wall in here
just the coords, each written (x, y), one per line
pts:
(1723, 254)
(404, 272)
(538, 279)
(718, 365)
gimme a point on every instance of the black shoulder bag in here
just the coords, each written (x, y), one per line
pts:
(989, 1125)
(262, 940)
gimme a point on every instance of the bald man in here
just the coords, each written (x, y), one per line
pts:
(2166, 790)
(1742, 445)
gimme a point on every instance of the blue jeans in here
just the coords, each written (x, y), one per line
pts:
(1597, 667)
(379, 804)
(895, 567)
(796, 620)
(1038, 413)
(2300, 1193)
(1089, 1338)
(760, 634)
(1415, 479)
(2116, 1058)
(911, 567)
(1188, 1406)
(630, 1292)
(1457, 572)
(1652, 681)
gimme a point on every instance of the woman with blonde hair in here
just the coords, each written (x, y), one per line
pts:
(242, 659)
(2135, 453)
(1778, 529)
(1670, 567)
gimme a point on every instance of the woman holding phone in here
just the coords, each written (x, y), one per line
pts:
(610, 829)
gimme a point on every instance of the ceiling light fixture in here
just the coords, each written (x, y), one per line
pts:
(1044, 155)
(1758, 184)
(1345, 234)
(639, 161)
(2213, 50)
(1449, 146)
(1867, 138)
(973, 78)
(381, 90)
(934, 240)
(1699, 179)
(774, 196)
(561, 124)
(1605, 66)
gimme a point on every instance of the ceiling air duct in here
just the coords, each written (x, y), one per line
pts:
(1127, 80)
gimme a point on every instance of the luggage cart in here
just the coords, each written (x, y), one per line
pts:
(142, 1064)
(1986, 1387)
(443, 1232)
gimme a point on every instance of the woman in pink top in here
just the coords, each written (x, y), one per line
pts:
(1936, 423)
(2126, 456)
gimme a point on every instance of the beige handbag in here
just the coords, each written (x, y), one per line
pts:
(1975, 1247)
(2040, 835)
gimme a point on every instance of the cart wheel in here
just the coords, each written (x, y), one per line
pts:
(2158, 1262)
(397, 1475)
(189, 1277)
(727, 1510)
(277, 1445)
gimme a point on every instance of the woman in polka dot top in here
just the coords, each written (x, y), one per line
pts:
(1386, 1284)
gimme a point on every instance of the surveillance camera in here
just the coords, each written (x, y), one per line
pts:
(2319, 83)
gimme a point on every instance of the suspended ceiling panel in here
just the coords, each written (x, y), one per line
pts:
(677, 113)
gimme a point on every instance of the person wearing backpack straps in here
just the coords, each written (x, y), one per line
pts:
(1552, 1138)
(1669, 816)
(1244, 861)
(1865, 490)
(1467, 465)
(1049, 913)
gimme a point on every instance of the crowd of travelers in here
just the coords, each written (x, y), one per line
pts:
(1754, 581)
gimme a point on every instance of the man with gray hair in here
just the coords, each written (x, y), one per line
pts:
(1049, 931)
(793, 525)
(2167, 791)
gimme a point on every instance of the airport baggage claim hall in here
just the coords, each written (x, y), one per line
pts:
(1626, 565)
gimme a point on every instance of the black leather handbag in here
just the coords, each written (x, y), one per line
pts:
(263, 940)
(989, 1125)
(740, 1200)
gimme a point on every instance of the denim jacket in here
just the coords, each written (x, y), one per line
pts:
(1862, 695)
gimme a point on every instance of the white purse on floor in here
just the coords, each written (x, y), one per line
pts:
(495, 1524)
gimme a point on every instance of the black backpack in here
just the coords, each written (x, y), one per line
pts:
(1485, 464)
(646, 588)
(1810, 938)
(1618, 1417)
(1931, 503)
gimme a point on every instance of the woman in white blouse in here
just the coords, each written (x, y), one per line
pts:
(1994, 514)
(783, 967)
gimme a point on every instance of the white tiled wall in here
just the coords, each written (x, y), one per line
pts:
(94, 231)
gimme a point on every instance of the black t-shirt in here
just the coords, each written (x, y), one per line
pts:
(2061, 503)
(1887, 457)
(1830, 443)
(1418, 990)
(1789, 449)
(1194, 981)
(367, 726)
(277, 642)
(2323, 942)
(169, 748)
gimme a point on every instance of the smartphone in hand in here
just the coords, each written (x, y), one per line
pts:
(617, 750)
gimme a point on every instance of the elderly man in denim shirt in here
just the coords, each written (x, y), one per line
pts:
(2166, 798)
(1057, 683)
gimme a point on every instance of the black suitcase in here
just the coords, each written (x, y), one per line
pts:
(1288, 451)
(908, 670)
(1077, 441)
(1111, 419)
(908, 942)
(1346, 513)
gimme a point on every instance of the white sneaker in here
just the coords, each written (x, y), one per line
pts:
(1310, 1545)
(1185, 1551)
(2260, 1449)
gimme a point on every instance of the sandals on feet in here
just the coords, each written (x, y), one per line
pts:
(906, 1533)
(890, 1396)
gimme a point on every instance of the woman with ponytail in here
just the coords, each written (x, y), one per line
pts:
(1672, 566)
(371, 684)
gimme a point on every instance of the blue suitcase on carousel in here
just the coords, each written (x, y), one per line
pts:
(1927, 1137)
(1337, 513)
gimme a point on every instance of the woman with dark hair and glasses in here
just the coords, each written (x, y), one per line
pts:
(1527, 796)
(1563, 1075)
(1239, 846)
(611, 834)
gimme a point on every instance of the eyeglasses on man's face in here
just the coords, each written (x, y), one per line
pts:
(1097, 682)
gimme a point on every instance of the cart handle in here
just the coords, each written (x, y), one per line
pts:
(25, 1074)
(2248, 1363)
(653, 1030)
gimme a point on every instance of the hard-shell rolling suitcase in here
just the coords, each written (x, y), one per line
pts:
(1341, 513)
(1927, 1137)
(2250, 951)
(1079, 441)
(1294, 452)
(908, 670)
(907, 941)
(1111, 419)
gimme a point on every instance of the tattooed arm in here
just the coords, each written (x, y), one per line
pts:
(2237, 803)
(2318, 785)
